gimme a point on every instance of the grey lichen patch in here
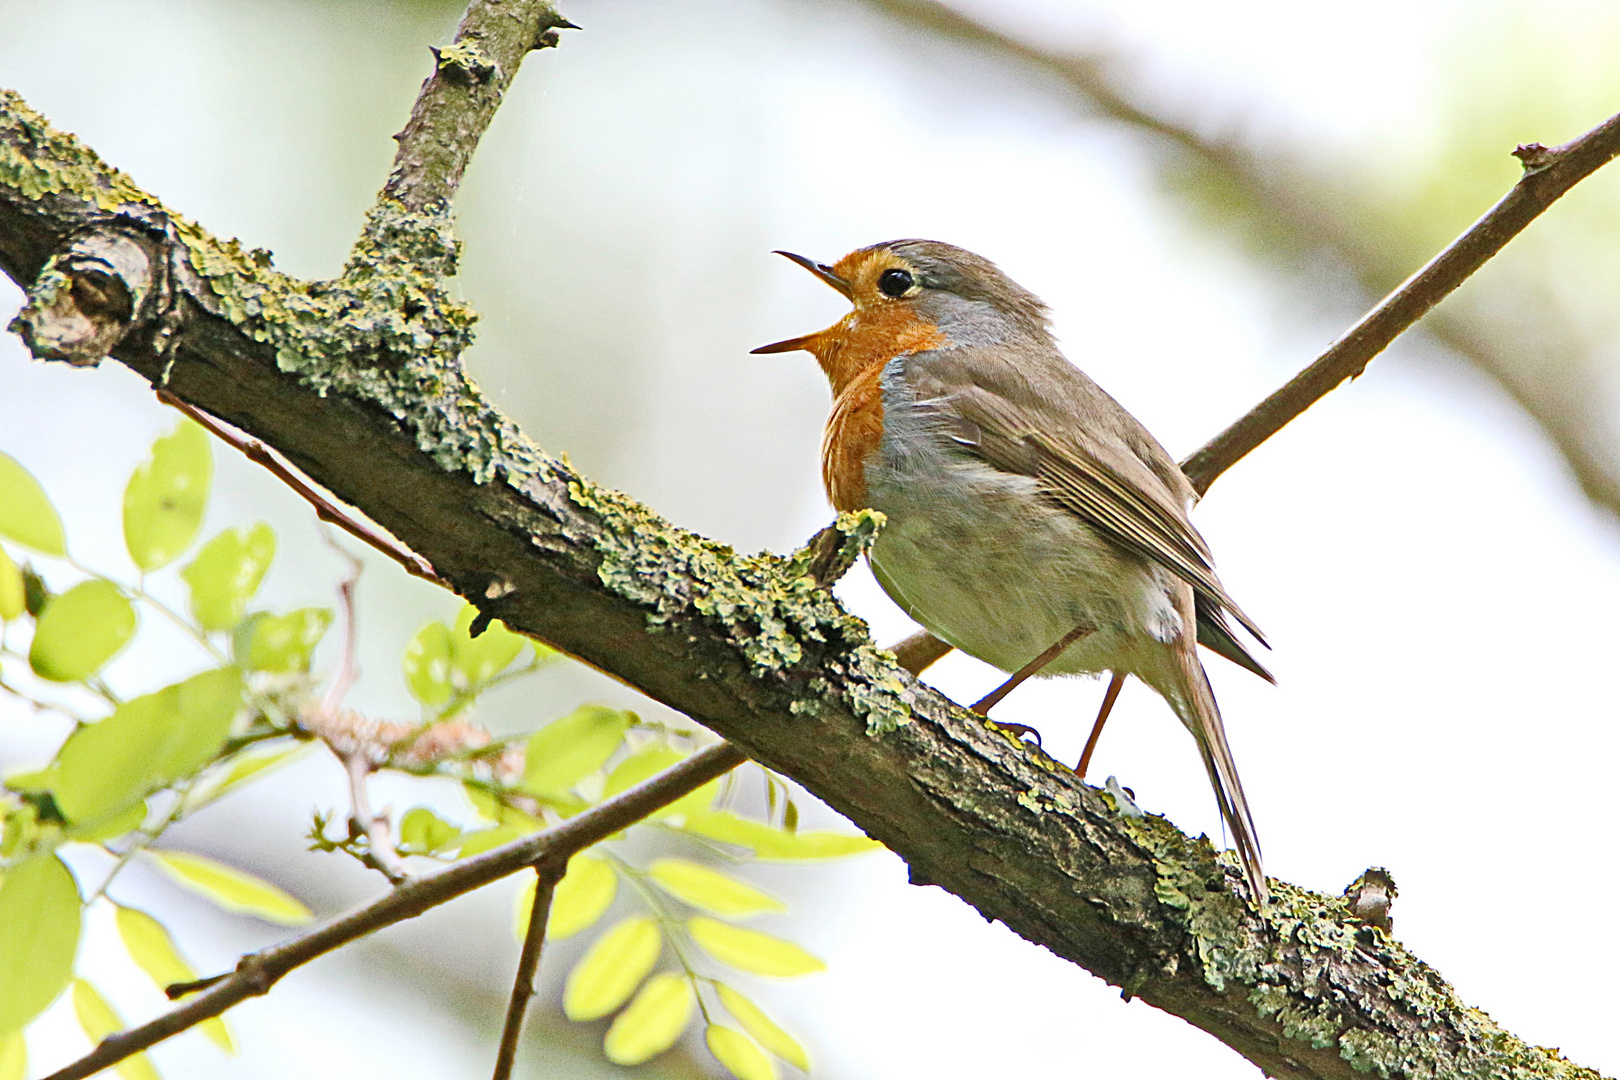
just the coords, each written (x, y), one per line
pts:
(385, 333)
(771, 609)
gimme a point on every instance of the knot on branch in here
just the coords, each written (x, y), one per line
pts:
(86, 298)
(465, 63)
(1534, 157)
(1371, 896)
(548, 37)
(834, 550)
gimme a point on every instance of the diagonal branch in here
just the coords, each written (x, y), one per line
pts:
(534, 939)
(258, 972)
(358, 383)
(1289, 204)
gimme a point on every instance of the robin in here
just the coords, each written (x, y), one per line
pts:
(1032, 521)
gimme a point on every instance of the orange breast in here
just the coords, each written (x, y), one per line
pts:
(853, 354)
(854, 431)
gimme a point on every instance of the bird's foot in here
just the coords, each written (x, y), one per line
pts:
(1017, 731)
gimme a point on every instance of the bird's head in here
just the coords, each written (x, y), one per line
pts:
(910, 296)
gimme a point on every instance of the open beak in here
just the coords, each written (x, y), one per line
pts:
(825, 273)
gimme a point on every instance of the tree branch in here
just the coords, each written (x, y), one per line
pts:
(358, 383)
(258, 972)
(1289, 204)
(1548, 174)
(528, 963)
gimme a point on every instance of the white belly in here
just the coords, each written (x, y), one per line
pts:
(982, 561)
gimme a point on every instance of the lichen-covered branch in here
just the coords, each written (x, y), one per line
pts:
(459, 99)
(368, 398)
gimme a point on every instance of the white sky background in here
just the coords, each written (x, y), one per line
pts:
(1440, 596)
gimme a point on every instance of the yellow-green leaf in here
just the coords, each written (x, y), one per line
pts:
(147, 743)
(13, 593)
(424, 832)
(771, 844)
(226, 573)
(565, 751)
(230, 888)
(644, 764)
(652, 1022)
(80, 631)
(166, 497)
(738, 1054)
(612, 968)
(764, 1030)
(479, 659)
(427, 665)
(711, 890)
(478, 841)
(752, 950)
(13, 1056)
(99, 1019)
(285, 643)
(580, 898)
(26, 515)
(39, 935)
(249, 764)
(154, 952)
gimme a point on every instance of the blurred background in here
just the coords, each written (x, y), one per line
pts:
(1206, 194)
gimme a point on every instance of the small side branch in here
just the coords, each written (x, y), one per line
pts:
(528, 963)
(459, 99)
(1548, 174)
(258, 972)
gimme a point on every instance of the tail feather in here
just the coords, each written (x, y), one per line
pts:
(1203, 719)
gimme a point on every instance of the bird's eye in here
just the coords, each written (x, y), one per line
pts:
(895, 282)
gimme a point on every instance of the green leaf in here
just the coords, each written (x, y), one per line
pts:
(13, 1056)
(612, 968)
(226, 573)
(154, 952)
(771, 844)
(652, 1023)
(230, 888)
(738, 1054)
(249, 764)
(13, 593)
(479, 659)
(764, 1030)
(26, 515)
(284, 643)
(147, 743)
(107, 828)
(711, 890)
(488, 807)
(80, 631)
(648, 762)
(165, 499)
(478, 841)
(580, 898)
(99, 1019)
(423, 832)
(752, 950)
(39, 935)
(565, 751)
(427, 665)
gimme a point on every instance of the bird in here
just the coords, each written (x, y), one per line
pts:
(1032, 522)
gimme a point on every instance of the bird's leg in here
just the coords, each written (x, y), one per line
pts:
(989, 701)
(1115, 684)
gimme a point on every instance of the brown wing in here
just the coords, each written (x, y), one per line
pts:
(1098, 478)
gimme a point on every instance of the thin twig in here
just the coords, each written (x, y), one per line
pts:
(1096, 76)
(1548, 174)
(325, 508)
(379, 834)
(257, 972)
(528, 963)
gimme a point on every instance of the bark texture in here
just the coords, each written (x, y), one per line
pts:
(357, 381)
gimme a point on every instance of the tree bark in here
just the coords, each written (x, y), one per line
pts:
(358, 382)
